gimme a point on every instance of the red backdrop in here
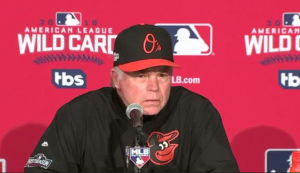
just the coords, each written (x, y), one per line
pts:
(258, 113)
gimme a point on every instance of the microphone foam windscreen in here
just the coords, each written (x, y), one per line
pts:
(133, 106)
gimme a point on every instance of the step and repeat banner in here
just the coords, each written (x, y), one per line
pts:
(244, 56)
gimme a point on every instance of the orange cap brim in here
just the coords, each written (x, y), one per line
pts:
(147, 63)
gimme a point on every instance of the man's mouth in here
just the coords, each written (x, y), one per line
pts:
(152, 100)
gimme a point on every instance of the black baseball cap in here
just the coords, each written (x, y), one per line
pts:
(142, 46)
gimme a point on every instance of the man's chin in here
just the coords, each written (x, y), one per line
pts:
(151, 111)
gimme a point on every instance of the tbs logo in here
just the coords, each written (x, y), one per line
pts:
(68, 19)
(68, 78)
(190, 39)
(289, 79)
(291, 19)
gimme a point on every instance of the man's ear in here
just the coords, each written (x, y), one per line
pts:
(114, 78)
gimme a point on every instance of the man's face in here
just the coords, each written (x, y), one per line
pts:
(150, 88)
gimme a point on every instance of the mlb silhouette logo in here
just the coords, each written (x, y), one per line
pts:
(281, 160)
(139, 156)
(291, 19)
(68, 19)
(190, 39)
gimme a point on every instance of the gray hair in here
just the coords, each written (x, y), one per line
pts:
(119, 73)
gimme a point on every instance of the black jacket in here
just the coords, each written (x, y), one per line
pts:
(89, 134)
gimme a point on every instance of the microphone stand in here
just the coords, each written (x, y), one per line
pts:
(135, 112)
(137, 143)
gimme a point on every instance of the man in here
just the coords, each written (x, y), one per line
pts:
(183, 130)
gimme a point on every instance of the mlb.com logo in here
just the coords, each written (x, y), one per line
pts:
(291, 19)
(68, 19)
(190, 39)
(289, 79)
(282, 160)
(68, 78)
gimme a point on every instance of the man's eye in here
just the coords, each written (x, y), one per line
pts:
(163, 75)
(140, 76)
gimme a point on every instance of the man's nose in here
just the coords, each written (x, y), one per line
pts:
(152, 83)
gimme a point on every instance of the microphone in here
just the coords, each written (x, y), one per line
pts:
(135, 112)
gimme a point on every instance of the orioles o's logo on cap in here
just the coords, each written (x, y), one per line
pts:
(150, 39)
